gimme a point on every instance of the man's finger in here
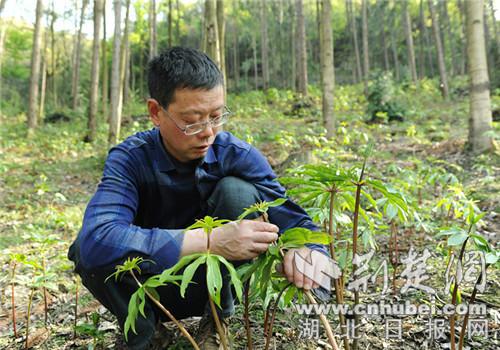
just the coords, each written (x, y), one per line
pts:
(288, 265)
(259, 247)
(265, 237)
(262, 226)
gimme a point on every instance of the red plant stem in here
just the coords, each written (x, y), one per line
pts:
(217, 323)
(466, 317)
(76, 307)
(454, 296)
(359, 184)
(339, 297)
(166, 312)
(247, 316)
(395, 255)
(45, 303)
(330, 221)
(324, 321)
(30, 302)
(13, 300)
(271, 323)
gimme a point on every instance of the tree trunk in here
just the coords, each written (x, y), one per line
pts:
(463, 55)
(105, 72)
(495, 27)
(395, 54)
(263, 44)
(177, 24)
(43, 87)
(53, 57)
(480, 120)
(366, 58)
(123, 51)
(76, 68)
(409, 42)
(2, 5)
(255, 65)
(421, 47)
(221, 32)
(354, 33)
(212, 32)
(449, 37)
(384, 40)
(430, 56)
(236, 64)
(35, 70)
(115, 116)
(153, 49)
(170, 26)
(301, 49)
(94, 74)
(327, 67)
(440, 54)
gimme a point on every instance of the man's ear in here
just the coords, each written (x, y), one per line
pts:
(153, 110)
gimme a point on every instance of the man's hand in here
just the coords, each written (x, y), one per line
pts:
(313, 269)
(243, 240)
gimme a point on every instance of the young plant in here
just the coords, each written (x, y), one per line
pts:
(459, 237)
(15, 259)
(138, 299)
(92, 329)
(213, 273)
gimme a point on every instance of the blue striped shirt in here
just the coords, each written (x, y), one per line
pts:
(146, 198)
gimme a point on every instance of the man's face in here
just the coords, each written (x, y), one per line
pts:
(188, 106)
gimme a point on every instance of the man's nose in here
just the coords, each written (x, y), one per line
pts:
(207, 132)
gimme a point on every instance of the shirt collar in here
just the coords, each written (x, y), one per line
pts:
(165, 163)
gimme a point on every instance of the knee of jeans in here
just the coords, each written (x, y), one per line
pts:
(232, 194)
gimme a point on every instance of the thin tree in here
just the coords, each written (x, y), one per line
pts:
(153, 48)
(3, 32)
(76, 68)
(366, 57)
(263, 44)
(327, 67)
(409, 42)
(53, 55)
(212, 32)
(2, 5)
(463, 53)
(301, 49)
(43, 85)
(105, 71)
(170, 26)
(480, 119)
(421, 48)
(124, 52)
(94, 75)
(221, 32)
(35, 70)
(115, 116)
(383, 35)
(440, 53)
(236, 63)
(354, 33)
(448, 35)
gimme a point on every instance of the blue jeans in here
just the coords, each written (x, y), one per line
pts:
(228, 200)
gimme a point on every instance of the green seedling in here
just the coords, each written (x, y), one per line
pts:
(213, 273)
(92, 329)
(460, 237)
(15, 259)
(138, 299)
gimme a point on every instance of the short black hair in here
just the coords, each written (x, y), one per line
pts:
(181, 67)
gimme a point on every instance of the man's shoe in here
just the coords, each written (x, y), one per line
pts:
(207, 336)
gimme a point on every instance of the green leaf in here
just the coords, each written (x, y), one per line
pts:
(477, 218)
(301, 236)
(491, 258)
(235, 280)
(188, 274)
(457, 239)
(481, 242)
(391, 211)
(289, 294)
(214, 279)
(180, 264)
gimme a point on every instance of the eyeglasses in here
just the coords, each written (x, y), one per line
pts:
(196, 128)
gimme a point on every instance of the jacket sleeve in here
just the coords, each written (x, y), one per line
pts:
(108, 234)
(254, 168)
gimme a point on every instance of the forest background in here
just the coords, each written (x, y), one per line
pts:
(310, 82)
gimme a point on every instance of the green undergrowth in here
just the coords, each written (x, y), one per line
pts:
(47, 180)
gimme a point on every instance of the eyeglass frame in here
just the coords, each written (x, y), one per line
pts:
(226, 114)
